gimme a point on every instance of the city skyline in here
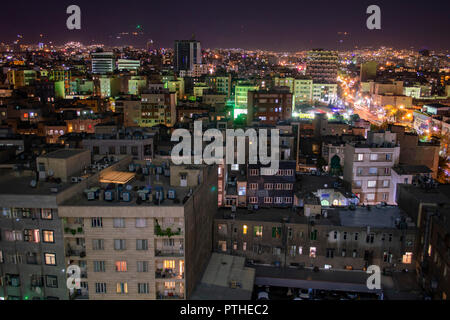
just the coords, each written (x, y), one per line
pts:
(243, 25)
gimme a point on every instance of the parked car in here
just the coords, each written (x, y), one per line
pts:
(263, 295)
(304, 294)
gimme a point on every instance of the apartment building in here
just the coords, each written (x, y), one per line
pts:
(269, 107)
(137, 143)
(368, 165)
(32, 255)
(146, 231)
(341, 240)
(429, 205)
(322, 65)
(271, 190)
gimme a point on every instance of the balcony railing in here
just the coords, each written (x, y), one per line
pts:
(169, 253)
(76, 253)
(168, 274)
(169, 296)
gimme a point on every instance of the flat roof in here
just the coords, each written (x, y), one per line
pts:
(222, 270)
(377, 217)
(119, 177)
(63, 153)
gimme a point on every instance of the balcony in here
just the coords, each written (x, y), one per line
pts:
(168, 274)
(76, 253)
(169, 253)
(169, 296)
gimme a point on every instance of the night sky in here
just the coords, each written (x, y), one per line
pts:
(275, 25)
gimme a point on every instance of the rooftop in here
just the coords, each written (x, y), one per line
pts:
(63, 153)
(407, 169)
(222, 270)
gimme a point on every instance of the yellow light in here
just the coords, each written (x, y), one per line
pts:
(245, 228)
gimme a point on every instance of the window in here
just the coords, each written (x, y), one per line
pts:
(142, 266)
(141, 244)
(276, 232)
(373, 157)
(242, 191)
(330, 253)
(244, 229)
(121, 266)
(119, 244)
(390, 237)
(278, 186)
(360, 157)
(169, 285)
(312, 252)
(300, 250)
(134, 150)
(97, 244)
(407, 258)
(370, 238)
(141, 222)
(143, 288)
(51, 281)
(288, 186)
(313, 235)
(123, 149)
(50, 259)
(345, 235)
(385, 183)
(99, 266)
(370, 196)
(169, 264)
(388, 157)
(222, 229)
(268, 186)
(373, 171)
(119, 223)
(371, 184)
(278, 200)
(253, 200)
(96, 222)
(356, 236)
(288, 200)
(344, 252)
(100, 287)
(112, 150)
(268, 199)
(257, 231)
(387, 171)
(253, 186)
(244, 246)
(31, 235)
(358, 183)
(355, 253)
(254, 172)
(48, 236)
(46, 214)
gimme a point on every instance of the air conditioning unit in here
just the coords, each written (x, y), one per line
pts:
(74, 179)
(109, 195)
(126, 196)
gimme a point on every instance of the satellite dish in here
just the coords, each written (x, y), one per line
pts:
(33, 183)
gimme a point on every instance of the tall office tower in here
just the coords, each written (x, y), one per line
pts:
(187, 53)
(322, 65)
(368, 71)
(103, 62)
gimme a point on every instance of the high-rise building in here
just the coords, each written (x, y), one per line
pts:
(269, 107)
(126, 64)
(103, 62)
(187, 54)
(368, 71)
(322, 65)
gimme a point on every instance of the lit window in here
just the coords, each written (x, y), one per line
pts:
(48, 236)
(50, 259)
(121, 266)
(122, 287)
(312, 252)
(244, 229)
(169, 264)
(371, 183)
(257, 231)
(407, 258)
